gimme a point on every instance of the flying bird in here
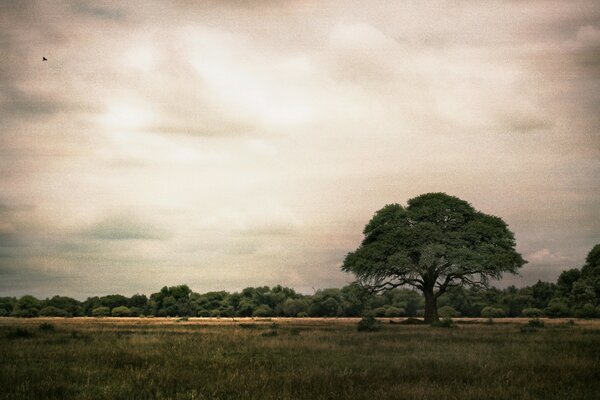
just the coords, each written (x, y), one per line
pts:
(44, 59)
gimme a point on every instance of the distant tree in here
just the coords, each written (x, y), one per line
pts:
(436, 242)
(263, 311)
(101, 312)
(292, 307)
(71, 306)
(492, 312)
(532, 313)
(27, 307)
(6, 305)
(121, 311)
(51, 311)
(448, 312)
(558, 307)
(566, 280)
(114, 300)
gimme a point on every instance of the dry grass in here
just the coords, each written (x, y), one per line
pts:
(308, 358)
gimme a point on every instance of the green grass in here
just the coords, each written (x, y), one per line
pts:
(147, 359)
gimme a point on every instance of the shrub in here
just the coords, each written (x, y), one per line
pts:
(557, 308)
(392, 312)
(46, 327)
(448, 312)
(492, 312)
(535, 323)
(444, 323)
(532, 312)
(378, 312)
(262, 311)
(586, 311)
(20, 333)
(204, 313)
(369, 324)
(121, 311)
(101, 312)
(302, 314)
(52, 311)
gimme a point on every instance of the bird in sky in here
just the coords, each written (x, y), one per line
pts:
(44, 59)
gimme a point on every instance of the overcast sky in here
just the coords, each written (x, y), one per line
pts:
(226, 144)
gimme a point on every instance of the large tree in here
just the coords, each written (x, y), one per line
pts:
(437, 241)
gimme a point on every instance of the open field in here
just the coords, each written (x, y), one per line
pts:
(155, 358)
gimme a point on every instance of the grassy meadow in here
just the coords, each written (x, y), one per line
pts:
(159, 358)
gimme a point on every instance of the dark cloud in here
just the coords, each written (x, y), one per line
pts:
(93, 10)
(124, 227)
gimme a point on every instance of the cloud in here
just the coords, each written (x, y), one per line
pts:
(545, 256)
(253, 140)
(123, 227)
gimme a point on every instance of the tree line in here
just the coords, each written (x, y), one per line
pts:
(576, 293)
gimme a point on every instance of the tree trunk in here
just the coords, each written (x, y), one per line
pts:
(431, 314)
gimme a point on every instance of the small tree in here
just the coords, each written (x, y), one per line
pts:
(436, 242)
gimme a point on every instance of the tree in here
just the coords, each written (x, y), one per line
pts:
(436, 242)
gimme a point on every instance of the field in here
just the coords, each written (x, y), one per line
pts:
(111, 358)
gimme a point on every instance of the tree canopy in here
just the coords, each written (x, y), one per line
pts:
(436, 242)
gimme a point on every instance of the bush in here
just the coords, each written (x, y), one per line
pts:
(448, 312)
(20, 333)
(262, 311)
(302, 314)
(492, 312)
(535, 323)
(121, 311)
(532, 312)
(444, 323)
(101, 312)
(46, 327)
(52, 311)
(369, 324)
(392, 312)
(378, 312)
(586, 311)
(557, 308)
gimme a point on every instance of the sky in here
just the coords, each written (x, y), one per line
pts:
(227, 144)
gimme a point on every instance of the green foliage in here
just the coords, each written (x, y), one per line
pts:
(101, 312)
(588, 310)
(51, 311)
(393, 312)
(448, 312)
(535, 323)
(437, 241)
(262, 311)
(369, 324)
(492, 312)
(532, 312)
(557, 307)
(577, 293)
(121, 311)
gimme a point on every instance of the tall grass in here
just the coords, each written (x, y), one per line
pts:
(130, 360)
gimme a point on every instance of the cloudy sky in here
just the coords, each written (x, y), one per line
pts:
(226, 144)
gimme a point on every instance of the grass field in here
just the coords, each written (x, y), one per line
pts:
(87, 358)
